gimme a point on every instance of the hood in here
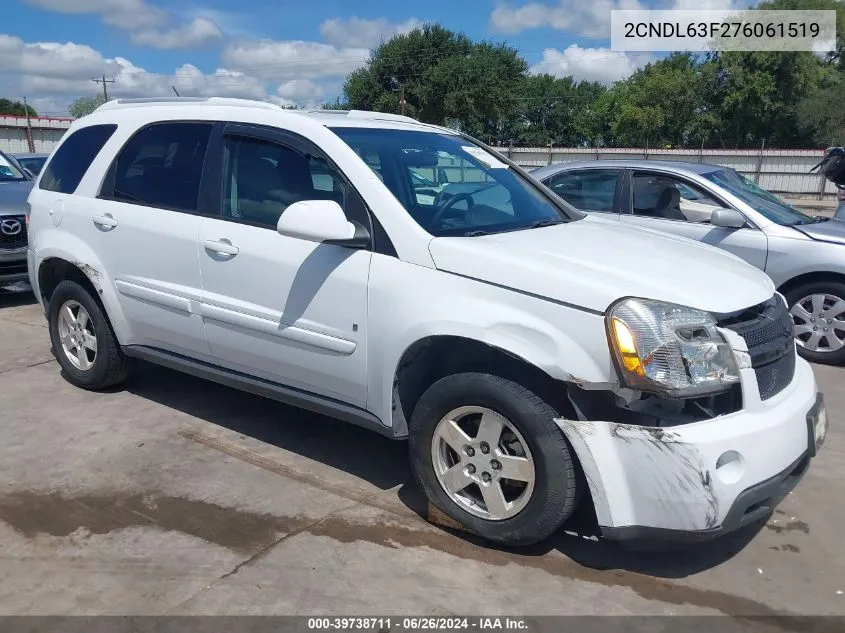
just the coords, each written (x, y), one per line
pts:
(825, 231)
(13, 196)
(591, 263)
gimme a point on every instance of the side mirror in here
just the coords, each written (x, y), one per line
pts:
(321, 221)
(727, 218)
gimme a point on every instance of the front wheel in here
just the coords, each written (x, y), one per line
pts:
(487, 452)
(818, 313)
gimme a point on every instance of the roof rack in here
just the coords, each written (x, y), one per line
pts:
(219, 101)
(363, 114)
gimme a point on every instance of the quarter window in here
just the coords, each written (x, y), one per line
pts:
(262, 178)
(588, 190)
(162, 166)
(65, 170)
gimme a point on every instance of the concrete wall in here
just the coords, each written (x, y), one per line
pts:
(41, 135)
(780, 171)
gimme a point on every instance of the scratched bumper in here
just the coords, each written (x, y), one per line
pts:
(703, 479)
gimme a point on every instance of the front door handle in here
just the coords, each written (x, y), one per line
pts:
(224, 247)
(105, 221)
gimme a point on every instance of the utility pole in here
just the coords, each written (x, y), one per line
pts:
(29, 140)
(105, 82)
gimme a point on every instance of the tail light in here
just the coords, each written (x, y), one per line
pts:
(840, 195)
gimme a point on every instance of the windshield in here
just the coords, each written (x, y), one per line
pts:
(8, 170)
(762, 201)
(452, 186)
(33, 163)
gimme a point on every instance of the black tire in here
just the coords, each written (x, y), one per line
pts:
(554, 497)
(794, 295)
(110, 366)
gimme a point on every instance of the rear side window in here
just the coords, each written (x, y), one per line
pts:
(70, 162)
(161, 166)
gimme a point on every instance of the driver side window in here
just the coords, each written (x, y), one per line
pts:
(670, 198)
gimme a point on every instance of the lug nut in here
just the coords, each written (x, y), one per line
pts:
(485, 447)
(496, 464)
(471, 469)
(469, 450)
(485, 477)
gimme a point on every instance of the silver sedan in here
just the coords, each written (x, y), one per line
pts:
(804, 255)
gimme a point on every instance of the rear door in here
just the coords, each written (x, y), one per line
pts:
(589, 189)
(674, 204)
(144, 225)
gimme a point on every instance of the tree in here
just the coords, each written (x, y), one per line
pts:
(15, 108)
(85, 105)
(441, 74)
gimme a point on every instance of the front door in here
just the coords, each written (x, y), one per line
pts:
(673, 204)
(281, 308)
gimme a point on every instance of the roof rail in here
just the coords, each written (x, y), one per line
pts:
(219, 101)
(364, 114)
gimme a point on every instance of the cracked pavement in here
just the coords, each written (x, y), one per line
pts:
(176, 496)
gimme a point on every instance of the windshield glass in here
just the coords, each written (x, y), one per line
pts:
(33, 163)
(762, 201)
(450, 185)
(8, 170)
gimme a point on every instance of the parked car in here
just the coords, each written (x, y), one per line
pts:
(32, 162)
(15, 186)
(533, 356)
(804, 255)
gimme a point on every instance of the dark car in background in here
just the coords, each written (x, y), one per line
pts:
(33, 162)
(15, 185)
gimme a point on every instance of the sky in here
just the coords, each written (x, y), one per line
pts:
(284, 51)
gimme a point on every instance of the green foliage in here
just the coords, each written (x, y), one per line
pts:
(15, 108)
(727, 99)
(85, 105)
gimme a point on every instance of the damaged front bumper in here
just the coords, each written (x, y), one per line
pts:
(702, 479)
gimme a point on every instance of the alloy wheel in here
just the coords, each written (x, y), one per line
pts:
(483, 463)
(819, 322)
(77, 336)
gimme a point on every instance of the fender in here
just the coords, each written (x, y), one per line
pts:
(541, 333)
(66, 246)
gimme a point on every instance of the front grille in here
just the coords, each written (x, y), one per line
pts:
(768, 332)
(18, 240)
(772, 378)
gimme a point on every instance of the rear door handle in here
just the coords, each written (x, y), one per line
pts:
(222, 247)
(105, 221)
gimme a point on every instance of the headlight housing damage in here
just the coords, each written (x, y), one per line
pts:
(669, 349)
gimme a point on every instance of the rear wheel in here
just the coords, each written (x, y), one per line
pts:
(82, 339)
(818, 313)
(487, 452)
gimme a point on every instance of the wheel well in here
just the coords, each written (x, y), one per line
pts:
(809, 278)
(430, 359)
(55, 270)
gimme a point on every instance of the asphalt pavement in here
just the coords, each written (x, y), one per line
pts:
(175, 496)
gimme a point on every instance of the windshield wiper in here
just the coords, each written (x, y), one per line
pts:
(541, 223)
(475, 233)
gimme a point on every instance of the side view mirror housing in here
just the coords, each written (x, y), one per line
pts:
(727, 218)
(321, 221)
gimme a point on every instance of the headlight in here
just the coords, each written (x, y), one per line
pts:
(669, 349)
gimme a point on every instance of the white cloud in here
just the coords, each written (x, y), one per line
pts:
(292, 59)
(361, 33)
(198, 32)
(124, 14)
(587, 19)
(589, 64)
(51, 59)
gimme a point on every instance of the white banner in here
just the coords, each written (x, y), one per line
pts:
(722, 30)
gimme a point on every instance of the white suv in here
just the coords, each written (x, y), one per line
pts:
(533, 356)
